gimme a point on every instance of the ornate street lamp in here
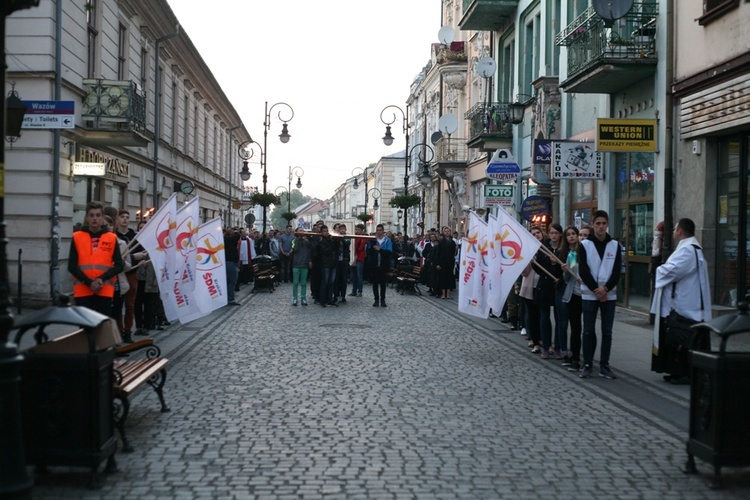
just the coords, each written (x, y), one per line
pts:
(388, 138)
(292, 172)
(246, 151)
(375, 192)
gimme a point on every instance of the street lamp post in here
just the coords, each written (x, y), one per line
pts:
(292, 172)
(388, 140)
(246, 151)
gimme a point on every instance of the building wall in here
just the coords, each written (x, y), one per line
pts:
(198, 150)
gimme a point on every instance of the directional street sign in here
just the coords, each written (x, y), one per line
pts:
(49, 114)
(498, 195)
(502, 167)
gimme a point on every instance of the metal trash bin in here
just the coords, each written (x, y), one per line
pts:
(66, 390)
(719, 402)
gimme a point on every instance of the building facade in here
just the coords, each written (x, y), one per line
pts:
(146, 109)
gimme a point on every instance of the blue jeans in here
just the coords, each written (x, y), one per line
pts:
(545, 326)
(561, 321)
(357, 277)
(327, 280)
(590, 308)
(231, 279)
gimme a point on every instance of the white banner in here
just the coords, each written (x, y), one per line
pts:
(473, 283)
(210, 292)
(185, 249)
(511, 249)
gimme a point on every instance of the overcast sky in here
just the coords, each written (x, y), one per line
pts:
(338, 63)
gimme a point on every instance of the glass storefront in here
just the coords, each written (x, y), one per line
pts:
(732, 272)
(633, 225)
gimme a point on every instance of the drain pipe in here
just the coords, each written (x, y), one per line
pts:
(54, 258)
(669, 133)
(157, 118)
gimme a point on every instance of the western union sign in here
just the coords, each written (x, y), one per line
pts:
(625, 136)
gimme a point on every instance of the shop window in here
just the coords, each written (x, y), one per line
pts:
(85, 189)
(584, 203)
(732, 229)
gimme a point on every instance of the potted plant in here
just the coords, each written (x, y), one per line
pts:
(264, 200)
(405, 201)
(618, 45)
(288, 216)
(364, 217)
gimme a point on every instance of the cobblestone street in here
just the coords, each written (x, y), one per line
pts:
(412, 401)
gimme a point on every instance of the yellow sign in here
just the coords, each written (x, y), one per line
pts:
(625, 135)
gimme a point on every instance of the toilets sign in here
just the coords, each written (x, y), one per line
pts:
(49, 114)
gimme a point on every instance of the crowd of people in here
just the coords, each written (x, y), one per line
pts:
(112, 273)
(572, 279)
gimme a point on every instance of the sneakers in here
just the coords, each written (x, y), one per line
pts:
(545, 354)
(566, 361)
(586, 372)
(294, 302)
(304, 302)
(359, 294)
(575, 366)
(523, 331)
(376, 303)
(604, 371)
(352, 294)
(383, 304)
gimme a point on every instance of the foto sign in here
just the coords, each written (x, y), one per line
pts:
(502, 167)
(499, 195)
(49, 114)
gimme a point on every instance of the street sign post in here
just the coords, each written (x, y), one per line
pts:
(49, 114)
(499, 195)
(502, 167)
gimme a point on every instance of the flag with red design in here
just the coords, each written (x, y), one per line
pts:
(511, 249)
(157, 238)
(185, 250)
(473, 285)
(210, 292)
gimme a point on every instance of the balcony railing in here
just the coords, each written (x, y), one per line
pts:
(450, 149)
(113, 105)
(489, 120)
(630, 39)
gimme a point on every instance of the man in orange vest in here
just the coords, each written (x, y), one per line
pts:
(94, 261)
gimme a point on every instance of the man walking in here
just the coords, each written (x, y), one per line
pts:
(358, 261)
(326, 250)
(682, 289)
(301, 256)
(232, 258)
(600, 267)
(378, 264)
(94, 261)
(285, 251)
(342, 266)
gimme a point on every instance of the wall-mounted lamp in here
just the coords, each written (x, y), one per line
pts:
(517, 109)
(14, 113)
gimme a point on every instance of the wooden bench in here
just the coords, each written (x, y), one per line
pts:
(264, 276)
(408, 280)
(131, 374)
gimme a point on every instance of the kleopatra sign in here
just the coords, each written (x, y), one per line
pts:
(502, 167)
(499, 195)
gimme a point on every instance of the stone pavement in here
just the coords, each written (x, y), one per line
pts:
(410, 401)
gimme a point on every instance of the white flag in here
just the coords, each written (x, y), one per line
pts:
(185, 249)
(511, 248)
(473, 280)
(210, 291)
(157, 238)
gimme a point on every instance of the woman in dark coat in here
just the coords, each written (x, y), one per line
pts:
(446, 261)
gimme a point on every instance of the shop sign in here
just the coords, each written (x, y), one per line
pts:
(534, 205)
(625, 135)
(499, 195)
(502, 167)
(542, 151)
(576, 160)
(90, 169)
(115, 166)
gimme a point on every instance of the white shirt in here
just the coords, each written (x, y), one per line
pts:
(680, 269)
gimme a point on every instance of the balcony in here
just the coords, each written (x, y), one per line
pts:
(604, 60)
(450, 153)
(490, 126)
(113, 113)
(487, 15)
(451, 54)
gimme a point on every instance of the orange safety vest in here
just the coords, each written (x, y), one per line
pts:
(94, 264)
